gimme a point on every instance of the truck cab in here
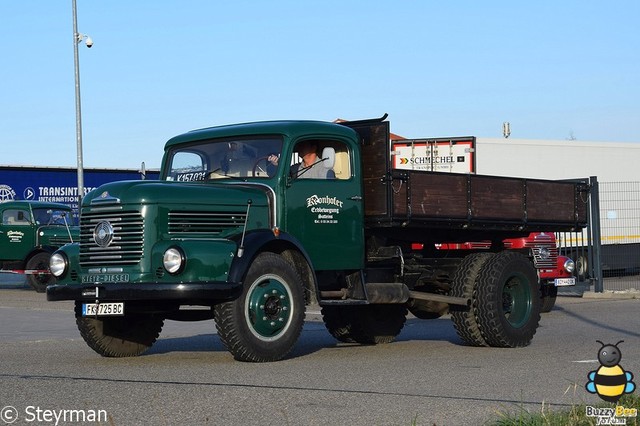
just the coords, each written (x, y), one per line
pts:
(29, 232)
(302, 203)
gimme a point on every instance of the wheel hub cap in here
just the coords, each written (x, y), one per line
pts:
(269, 307)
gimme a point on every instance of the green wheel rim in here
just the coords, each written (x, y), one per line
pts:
(516, 300)
(269, 310)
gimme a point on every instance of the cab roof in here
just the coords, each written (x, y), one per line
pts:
(33, 204)
(291, 129)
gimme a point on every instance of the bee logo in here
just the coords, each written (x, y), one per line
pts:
(610, 381)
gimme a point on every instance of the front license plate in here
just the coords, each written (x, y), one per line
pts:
(102, 309)
(563, 282)
(105, 278)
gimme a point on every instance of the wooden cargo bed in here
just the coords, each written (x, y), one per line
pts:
(419, 198)
(423, 199)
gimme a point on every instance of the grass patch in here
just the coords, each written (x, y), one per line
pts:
(575, 416)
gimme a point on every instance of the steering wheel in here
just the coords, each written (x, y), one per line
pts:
(257, 164)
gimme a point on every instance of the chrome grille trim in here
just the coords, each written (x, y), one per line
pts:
(127, 245)
(547, 243)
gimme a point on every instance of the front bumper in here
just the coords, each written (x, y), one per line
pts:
(123, 292)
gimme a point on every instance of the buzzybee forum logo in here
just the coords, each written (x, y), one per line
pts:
(610, 381)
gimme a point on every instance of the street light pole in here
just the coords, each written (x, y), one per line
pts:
(77, 38)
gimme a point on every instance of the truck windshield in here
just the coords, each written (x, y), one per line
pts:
(51, 216)
(240, 158)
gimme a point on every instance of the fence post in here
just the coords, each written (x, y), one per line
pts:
(596, 251)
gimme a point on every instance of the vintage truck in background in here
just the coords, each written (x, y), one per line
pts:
(253, 243)
(30, 232)
(60, 184)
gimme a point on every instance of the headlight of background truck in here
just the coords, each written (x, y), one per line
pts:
(569, 266)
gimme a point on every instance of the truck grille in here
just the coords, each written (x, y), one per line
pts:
(183, 222)
(126, 246)
(59, 240)
(545, 252)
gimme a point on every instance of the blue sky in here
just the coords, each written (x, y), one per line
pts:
(553, 69)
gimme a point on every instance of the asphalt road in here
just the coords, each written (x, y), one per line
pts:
(426, 377)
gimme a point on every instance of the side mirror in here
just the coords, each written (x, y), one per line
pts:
(328, 157)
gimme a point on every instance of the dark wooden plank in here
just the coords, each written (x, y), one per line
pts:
(438, 195)
(497, 198)
(374, 169)
(550, 201)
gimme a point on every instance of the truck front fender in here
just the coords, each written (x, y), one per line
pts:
(284, 244)
(40, 249)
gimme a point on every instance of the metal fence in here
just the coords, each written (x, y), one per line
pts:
(607, 252)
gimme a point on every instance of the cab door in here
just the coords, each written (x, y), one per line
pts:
(325, 215)
(17, 237)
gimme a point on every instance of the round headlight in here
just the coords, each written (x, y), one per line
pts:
(173, 260)
(569, 266)
(58, 264)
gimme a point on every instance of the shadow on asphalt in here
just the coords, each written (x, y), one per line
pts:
(314, 338)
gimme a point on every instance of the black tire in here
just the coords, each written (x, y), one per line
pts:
(371, 324)
(581, 260)
(338, 320)
(264, 323)
(463, 284)
(508, 300)
(130, 335)
(39, 282)
(549, 294)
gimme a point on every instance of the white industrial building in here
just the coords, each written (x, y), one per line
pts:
(558, 159)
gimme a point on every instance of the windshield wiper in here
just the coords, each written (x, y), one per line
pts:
(222, 175)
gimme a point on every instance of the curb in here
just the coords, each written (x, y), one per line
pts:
(610, 294)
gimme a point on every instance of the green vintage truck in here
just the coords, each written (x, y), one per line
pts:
(30, 232)
(236, 229)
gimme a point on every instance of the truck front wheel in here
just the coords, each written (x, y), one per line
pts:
(40, 262)
(264, 323)
(508, 300)
(130, 335)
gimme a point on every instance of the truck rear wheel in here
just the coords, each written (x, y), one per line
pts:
(264, 323)
(130, 335)
(365, 324)
(338, 320)
(40, 262)
(548, 299)
(463, 284)
(508, 300)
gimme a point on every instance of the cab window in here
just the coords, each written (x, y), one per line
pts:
(321, 159)
(15, 217)
(225, 158)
